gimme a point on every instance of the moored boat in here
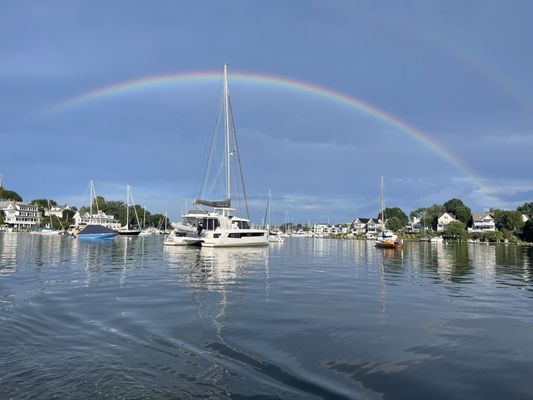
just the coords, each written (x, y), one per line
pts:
(96, 232)
(221, 227)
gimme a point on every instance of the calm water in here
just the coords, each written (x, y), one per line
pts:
(128, 318)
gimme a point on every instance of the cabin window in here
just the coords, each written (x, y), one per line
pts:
(210, 224)
(243, 225)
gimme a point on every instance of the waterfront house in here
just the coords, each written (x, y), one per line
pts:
(100, 218)
(56, 211)
(368, 226)
(20, 215)
(482, 222)
(444, 220)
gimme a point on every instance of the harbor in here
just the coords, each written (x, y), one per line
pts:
(312, 318)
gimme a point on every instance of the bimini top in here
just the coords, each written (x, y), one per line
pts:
(93, 229)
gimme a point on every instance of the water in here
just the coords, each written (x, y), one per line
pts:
(129, 318)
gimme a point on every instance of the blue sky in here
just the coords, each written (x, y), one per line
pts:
(459, 72)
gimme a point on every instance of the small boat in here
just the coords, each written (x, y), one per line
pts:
(436, 239)
(386, 239)
(126, 230)
(96, 232)
(273, 233)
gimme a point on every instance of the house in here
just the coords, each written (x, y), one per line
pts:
(321, 230)
(18, 214)
(368, 226)
(482, 222)
(100, 218)
(444, 220)
(56, 211)
(525, 218)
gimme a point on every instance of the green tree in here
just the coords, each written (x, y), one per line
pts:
(43, 203)
(507, 220)
(493, 236)
(9, 195)
(527, 209)
(429, 215)
(527, 231)
(458, 208)
(394, 224)
(1, 218)
(397, 213)
(456, 230)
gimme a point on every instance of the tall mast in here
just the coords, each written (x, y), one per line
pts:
(382, 204)
(91, 198)
(127, 206)
(227, 133)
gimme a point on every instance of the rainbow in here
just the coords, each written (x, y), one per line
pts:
(161, 81)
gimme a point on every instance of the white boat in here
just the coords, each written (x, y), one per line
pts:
(126, 230)
(436, 239)
(220, 226)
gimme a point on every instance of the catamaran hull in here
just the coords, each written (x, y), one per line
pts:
(236, 239)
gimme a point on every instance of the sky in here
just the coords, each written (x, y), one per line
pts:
(328, 96)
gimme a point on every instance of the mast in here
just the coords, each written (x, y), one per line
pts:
(382, 205)
(127, 206)
(227, 133)
(91, 198)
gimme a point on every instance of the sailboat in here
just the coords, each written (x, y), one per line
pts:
(219, 226)
(93, 228)
(386, 239)
(126, 230)
(274, 235)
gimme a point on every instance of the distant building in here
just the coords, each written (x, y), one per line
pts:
(444, 220)
(321, 230)
(482, 222)
(100, 218)
(56, 211)
(525, 218)
(18, 214)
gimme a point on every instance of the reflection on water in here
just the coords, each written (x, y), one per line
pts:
(131, 318)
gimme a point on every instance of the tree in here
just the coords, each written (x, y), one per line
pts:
(400, 217)
(507, 220)
(43, 203)
(394, 224)
(456, 230)
(429, 215)
(9, 195)
(527, 231)
(527, 209)
(458, 208)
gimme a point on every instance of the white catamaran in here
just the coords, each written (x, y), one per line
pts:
(219, 226)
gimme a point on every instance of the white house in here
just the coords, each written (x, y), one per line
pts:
(321, 230)
(482, 222)
(100, 218)
(444, 220)
(369, 226)
(20, 215)
(56, 211)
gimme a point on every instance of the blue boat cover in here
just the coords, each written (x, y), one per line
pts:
(92, 229)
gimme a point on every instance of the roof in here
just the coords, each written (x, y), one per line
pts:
(480, 216)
